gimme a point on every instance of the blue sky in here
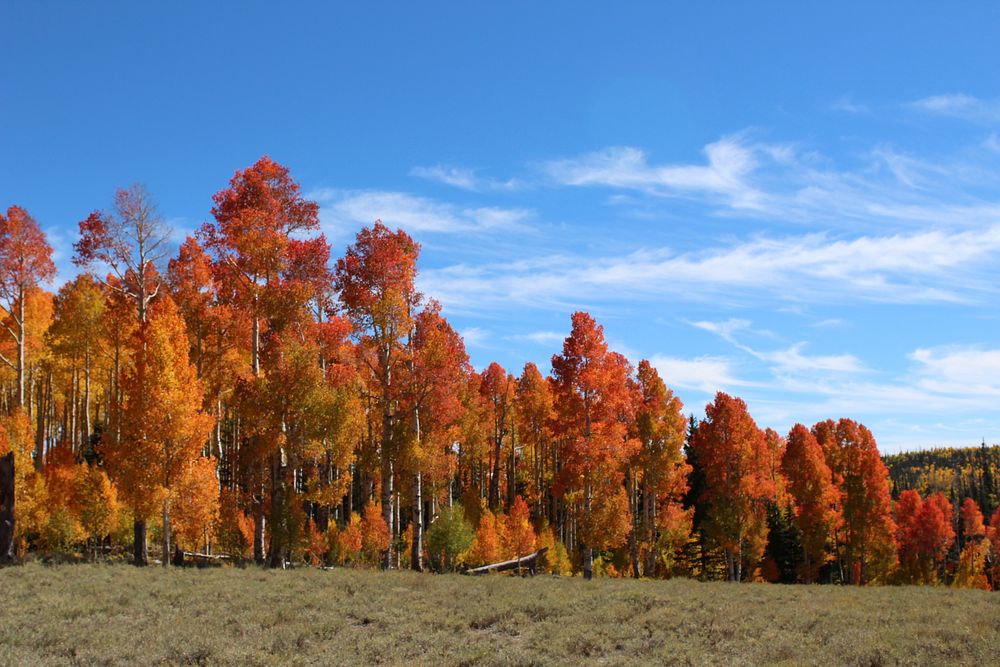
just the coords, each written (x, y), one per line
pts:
(796, 204)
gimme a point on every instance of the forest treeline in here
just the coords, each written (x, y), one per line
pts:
(251, 397)
(958, 473)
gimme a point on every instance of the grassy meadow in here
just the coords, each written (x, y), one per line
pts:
(117, 614)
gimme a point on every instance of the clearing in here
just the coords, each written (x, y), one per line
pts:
(118, 614)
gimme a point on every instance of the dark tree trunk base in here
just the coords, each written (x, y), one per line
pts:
(140, 553)
(7, 508)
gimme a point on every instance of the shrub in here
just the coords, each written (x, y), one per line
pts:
(448, 538)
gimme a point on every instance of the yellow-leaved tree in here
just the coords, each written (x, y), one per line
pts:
(97, 503)
(194, 504)
(30, 499)
(164, 429)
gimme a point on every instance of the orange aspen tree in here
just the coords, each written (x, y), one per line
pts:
(439, 366)
(497, 387)
(191, 285)
(74, 337)
(533, 410)
(974, 548)
(866, 548)
(195, 506)
(41, 367)
(907, 512)
(971, 521)
(738, 482)
(816, 499)
(96, 502)
(25, 263)
(657, 474)
(521, 539)
(592, 401)
(485, 547)
(375, 534)
(924, 534)
(268, 273)
(993, 560)
(375, 279)
(164, 428)
(129, 241)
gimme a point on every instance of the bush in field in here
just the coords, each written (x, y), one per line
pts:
(556, 559)
(195, 505)
(234, 529)
(348, 541)
(375, 537)
(448, 538)
(61, 532)
(519, 535)
(485, 546)
(97, 502)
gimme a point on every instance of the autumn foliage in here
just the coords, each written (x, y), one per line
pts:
(244, 396)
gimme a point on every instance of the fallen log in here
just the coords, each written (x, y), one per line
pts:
(192, 554)
(529, 562)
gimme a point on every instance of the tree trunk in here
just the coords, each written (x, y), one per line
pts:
(116, 393)
(739, 556)
(20, 350)
(511, 471)
(588, 562)
(494, 499)
(255, 345)
(648, 524)
(73, 409)
(386, 452)
(140, 554)
(40, 429)
(7, 517)
(88, 426)
(322, 518)
(397, 521)
(166, 532)
(258, 530)
(279, 519)
(417, 548)
(633, 542)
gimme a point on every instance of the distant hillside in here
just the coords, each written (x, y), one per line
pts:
(969, 472)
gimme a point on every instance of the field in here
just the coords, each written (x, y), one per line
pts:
(117, 614)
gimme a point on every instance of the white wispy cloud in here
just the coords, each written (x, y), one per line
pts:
(347, 209)
(951, 384)
(787, 183)
(926, 267)
(959, 371)
(847, 104)
(465, 178)
(959, 105)
(829, 322)
(725, 329)
(706, 374)
(788, 360)
(474, 336)
(945, 381)
(729, 162)
(541, 337)
(794, 361)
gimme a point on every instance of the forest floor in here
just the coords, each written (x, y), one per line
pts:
(117, 614)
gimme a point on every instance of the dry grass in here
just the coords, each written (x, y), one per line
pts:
(116, 614)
